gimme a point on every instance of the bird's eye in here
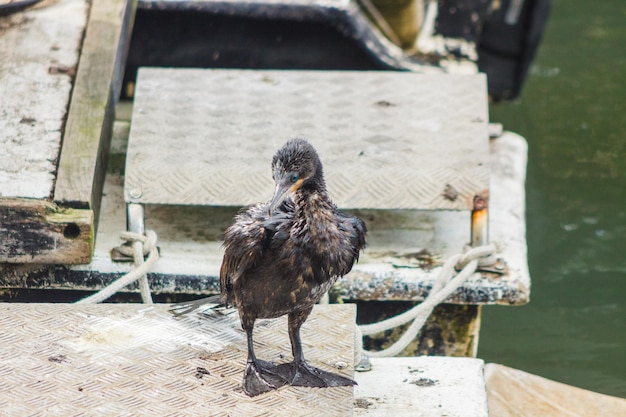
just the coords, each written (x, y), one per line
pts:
(294, 178)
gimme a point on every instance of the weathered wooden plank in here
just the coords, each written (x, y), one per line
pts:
(36, 231)
(515, 393)
(39, 51)
(96, 89)
(32, 229)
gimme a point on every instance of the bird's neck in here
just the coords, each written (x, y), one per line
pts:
(310, 202)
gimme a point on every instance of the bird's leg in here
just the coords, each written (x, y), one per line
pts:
(299, 371)
(260, 376)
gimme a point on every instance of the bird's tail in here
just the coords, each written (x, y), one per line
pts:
(180, 309)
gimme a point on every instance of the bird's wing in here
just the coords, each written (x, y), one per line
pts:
(355, 230)
(358, 238)
(246, 240)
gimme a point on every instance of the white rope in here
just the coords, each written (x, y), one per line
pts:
(442, 288)
(140, 247)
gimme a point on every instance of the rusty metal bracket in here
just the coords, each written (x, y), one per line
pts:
(480, 232)
(480, 220)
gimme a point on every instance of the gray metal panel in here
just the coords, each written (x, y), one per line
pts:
(388, 140)
(60, 359)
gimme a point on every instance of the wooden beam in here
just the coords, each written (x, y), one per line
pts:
(36, 231)
(39, 53)
(98, 81)
(515, 393)
(32, 229)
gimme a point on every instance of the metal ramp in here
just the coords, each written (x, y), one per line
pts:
(116, 359)
(388, 140)
(136, 360)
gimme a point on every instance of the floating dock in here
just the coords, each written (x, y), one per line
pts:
(409, 152)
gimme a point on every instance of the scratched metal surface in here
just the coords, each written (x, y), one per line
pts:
(388, 140)
(112, 359)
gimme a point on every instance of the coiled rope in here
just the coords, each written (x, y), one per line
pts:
(138, 246)
(445, 284)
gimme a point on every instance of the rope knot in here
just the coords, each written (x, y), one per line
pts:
(484, 255)
(137, 247)
(149, 241)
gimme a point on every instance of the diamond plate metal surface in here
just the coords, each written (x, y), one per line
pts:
(60, 359)
(388, 140)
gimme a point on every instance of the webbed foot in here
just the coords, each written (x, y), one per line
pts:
(305, 375)
(261, 376)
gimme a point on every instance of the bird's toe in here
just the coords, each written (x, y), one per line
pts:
(304, 375)
(261, 377)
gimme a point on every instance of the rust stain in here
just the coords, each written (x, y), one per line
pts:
(61, 69)
(481, 200)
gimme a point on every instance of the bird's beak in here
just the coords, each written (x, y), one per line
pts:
(283, 190)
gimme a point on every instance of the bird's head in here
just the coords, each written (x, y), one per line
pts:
(295, 166)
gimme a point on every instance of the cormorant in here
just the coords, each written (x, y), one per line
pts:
(280, 258)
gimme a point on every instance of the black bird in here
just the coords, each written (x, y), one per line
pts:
(281, 257)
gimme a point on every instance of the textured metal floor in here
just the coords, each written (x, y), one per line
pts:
(388, 140)
(111, 359)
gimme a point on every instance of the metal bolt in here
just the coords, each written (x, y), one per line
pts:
(135, 192)
(499, 265)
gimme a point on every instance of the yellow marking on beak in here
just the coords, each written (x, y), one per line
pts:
(296, 185)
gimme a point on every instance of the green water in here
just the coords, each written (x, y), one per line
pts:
(573, 115)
